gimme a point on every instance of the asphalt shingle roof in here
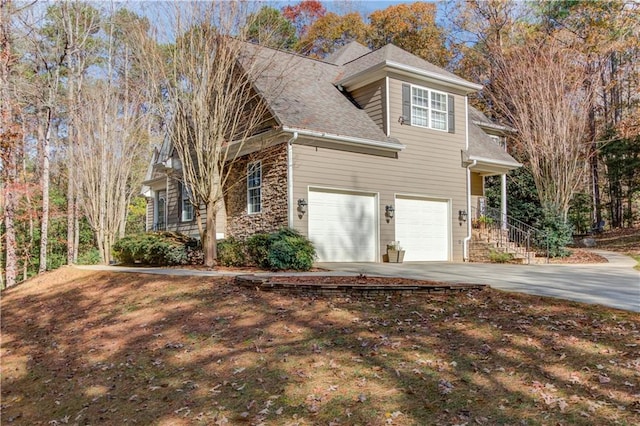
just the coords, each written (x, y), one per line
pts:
(306, 98)
(395, 54)
(482, 146)
(347, 53)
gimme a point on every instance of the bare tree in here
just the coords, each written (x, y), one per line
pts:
(78, 22)
(540, 87)
(111, 125)
(206, 81)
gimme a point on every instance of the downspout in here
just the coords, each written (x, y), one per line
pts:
(465, 246)
(290, 177)
(465, 243)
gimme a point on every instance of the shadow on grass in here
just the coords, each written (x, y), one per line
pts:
(101, 348)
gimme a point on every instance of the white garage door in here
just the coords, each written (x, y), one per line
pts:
(342, 225)
(422, 228)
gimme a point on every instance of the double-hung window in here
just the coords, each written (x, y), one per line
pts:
(254, 187)
(186, 206)
(429, 108)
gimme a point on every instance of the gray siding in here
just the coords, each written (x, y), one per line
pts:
(173, 214)
(371, 98)
(430, 166)
(149, 215)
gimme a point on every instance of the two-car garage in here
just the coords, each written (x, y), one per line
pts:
(344, 226)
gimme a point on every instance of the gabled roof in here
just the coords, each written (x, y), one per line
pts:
(393, 57)
(305, 97)
(347, 53)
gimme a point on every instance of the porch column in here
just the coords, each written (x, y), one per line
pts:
(503, 200)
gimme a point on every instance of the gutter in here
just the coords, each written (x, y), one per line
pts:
(389, 146)
(509, 164)
(465, 244)
(290, 177)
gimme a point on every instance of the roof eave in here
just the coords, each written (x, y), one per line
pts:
(485, 125)
(493, 165)
(382, 145)
(455, 83)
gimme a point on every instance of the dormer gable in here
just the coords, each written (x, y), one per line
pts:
(376, 64)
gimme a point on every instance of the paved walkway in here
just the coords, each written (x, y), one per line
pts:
(615, 284)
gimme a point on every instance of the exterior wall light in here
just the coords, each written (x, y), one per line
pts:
(302, 207)
(389, 211)
(462, 216)
(402, 119)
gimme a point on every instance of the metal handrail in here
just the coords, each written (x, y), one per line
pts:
(513, 234)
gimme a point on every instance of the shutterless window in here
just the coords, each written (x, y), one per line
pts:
(428, 108)
(254, 187)
(186, 213)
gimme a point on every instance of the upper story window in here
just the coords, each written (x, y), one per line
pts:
(186, 206)
(427, 108)
(254, 187)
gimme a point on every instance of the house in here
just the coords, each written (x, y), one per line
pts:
(366, 147)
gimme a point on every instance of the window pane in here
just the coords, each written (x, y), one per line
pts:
(420, 97)
(419, 116)
(254, 200)
(254, 190)
(439, 120)
(439, 101)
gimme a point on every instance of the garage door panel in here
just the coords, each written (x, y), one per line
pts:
(342, 226)
(422, 228)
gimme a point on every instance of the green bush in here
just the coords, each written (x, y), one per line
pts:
(231, 252)
(89, 257)
(500, 257)
(557, 232)
(156, 248)
(290, 250)
(258, 246)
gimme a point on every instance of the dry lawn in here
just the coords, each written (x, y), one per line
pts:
(624, 240)
(82, 347)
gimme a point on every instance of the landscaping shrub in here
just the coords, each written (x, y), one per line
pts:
(156, 248)
(258, 250)
(290, 250)
(231, 252)
(500, 257)
(558, 233)
(89, 257)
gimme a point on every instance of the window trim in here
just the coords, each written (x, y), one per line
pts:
(185, 201)
(160, 196)
(429, 108)
(251, 169)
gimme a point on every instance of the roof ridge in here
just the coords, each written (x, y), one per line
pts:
(287, 52)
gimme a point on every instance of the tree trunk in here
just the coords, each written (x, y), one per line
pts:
(209, 238)
(71, 190)
(11, 258)
(44, 222)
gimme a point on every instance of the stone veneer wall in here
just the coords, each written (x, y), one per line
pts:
(274, 194)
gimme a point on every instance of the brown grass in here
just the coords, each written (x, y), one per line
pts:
(82, 347)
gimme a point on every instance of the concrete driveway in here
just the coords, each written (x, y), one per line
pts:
(615, 284)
